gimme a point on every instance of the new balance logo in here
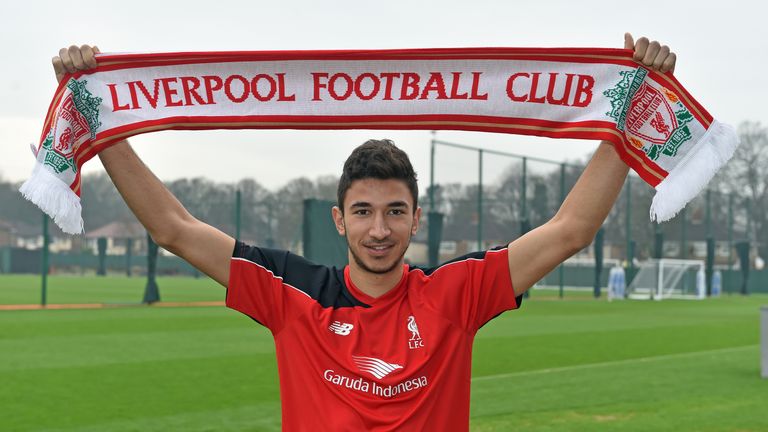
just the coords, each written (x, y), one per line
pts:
(377, 368)
(340, 328)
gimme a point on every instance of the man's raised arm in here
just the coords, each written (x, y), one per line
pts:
(585, 208)
(167, 221)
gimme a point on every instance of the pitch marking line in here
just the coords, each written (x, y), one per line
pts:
(611, 363)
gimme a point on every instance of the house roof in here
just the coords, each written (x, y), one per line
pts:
(5, 226)
(119, 229)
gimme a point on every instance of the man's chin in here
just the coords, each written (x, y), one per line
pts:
(376, 267)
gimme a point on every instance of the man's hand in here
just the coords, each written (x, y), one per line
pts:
(652, 54)
(582, 213)
(73, 59)
(167, 221)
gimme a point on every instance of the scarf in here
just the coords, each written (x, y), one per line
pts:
(655, 125)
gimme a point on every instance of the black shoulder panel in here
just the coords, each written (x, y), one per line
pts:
(472, 255)
(323, 284)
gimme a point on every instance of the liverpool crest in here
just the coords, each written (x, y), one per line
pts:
(652, 119)
(77, 120)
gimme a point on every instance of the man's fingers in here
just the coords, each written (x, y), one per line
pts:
(66, 60)
(650, 53)
(660, 57)
(88, 56)
(641, 46)
(58, 68)
(629, 41)
(77, 58)
(74, 59)
(669, 63)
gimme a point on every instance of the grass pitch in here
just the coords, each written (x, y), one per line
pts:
(68, 289)
(573, 365)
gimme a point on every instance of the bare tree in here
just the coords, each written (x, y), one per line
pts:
(746, 175)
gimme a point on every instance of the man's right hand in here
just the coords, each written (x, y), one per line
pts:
(74, 59)
(164, 217)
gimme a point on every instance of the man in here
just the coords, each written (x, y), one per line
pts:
(378, 345)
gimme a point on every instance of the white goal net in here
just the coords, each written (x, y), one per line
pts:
(659, 279)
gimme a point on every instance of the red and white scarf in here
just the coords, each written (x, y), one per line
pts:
(656, 126)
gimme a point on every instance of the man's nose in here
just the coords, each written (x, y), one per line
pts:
(379, 228)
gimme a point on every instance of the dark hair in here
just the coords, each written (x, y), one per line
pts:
(379, 159)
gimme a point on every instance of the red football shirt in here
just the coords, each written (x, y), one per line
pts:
(351, 362)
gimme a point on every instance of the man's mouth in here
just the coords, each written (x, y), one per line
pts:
(378, 249)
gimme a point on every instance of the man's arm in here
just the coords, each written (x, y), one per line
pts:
(166, 220)
(585, 208)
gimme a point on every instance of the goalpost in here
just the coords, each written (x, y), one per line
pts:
(660, 279)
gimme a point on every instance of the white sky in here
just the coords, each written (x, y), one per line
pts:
(722, 60)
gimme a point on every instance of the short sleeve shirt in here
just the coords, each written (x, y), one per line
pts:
(351, 362)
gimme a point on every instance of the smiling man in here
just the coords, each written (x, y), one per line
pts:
(378, 345)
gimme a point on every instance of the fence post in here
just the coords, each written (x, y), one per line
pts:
(561, 267)
(764, 341)
(628, 228)
(432, 173)
(524, 225)
(44, 269)
(433, 242)
(151, 290)
(238, 208)
(128, 253)
(598, 244)
(658, 241)
(684, 233)
(730, 244)
(101, 246)
(480, 199)
(709, 268)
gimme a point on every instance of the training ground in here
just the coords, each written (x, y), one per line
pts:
(575, 364)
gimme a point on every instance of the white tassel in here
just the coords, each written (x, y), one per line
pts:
(693, 173)
(55, 198)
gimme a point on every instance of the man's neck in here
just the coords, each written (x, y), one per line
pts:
(375, 284)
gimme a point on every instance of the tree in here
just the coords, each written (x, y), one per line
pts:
(747, 175)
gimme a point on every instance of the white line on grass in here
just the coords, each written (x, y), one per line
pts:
(611, 363)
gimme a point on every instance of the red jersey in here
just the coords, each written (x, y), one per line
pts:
(351, 362)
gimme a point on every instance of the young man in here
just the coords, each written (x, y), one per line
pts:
(378, 345)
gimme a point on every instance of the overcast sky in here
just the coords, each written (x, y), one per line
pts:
(722, 60)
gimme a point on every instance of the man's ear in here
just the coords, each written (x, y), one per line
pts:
(338, 220)
(416, 221)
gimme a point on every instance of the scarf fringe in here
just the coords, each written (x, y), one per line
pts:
(693, 173)
(55, 198)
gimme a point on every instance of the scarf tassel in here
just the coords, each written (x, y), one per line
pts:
(55, 198)
(693, 173)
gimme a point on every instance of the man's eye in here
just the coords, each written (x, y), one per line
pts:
(361, 212)
(397, 212)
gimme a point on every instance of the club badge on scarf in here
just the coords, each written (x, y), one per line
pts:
(656, 126)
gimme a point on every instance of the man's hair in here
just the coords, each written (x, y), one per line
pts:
(378, 159)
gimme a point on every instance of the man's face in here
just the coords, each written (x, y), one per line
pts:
(378, 222)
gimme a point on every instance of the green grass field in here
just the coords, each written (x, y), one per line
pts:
(572, 365)
(25, 289)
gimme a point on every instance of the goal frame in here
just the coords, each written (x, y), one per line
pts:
(658, 292)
